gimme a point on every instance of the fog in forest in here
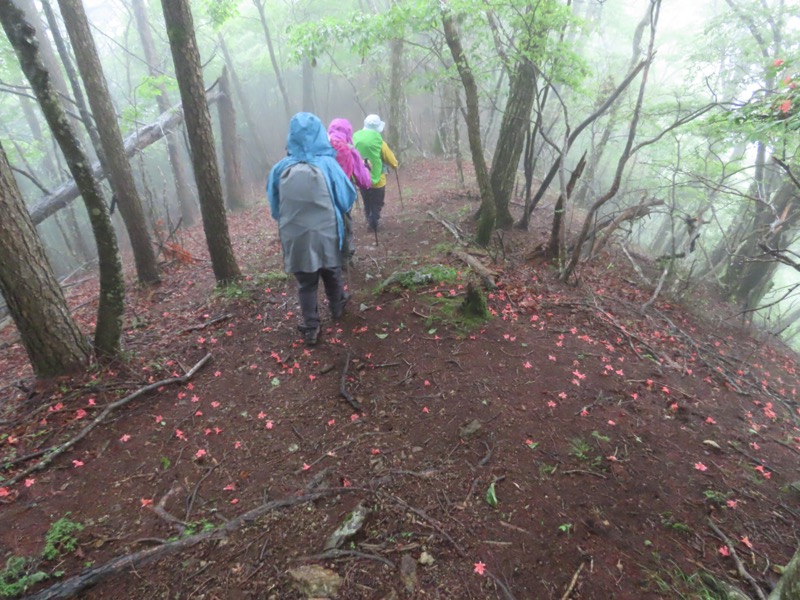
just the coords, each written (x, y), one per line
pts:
(691, 162)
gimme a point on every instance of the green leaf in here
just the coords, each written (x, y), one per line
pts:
(275, 382)
(381, 336)
(491, 496)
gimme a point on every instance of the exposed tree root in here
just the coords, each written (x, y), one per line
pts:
(60, 449)
(74, 585)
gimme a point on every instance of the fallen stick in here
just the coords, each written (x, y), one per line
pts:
(59, 450)
(739, 566)
(74, 585)
(207, 324)
(343, 385)
(572, 583)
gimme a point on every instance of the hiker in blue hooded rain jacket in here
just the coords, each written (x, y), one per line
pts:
(308, 195)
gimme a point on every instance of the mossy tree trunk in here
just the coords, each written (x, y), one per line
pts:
(487, 209)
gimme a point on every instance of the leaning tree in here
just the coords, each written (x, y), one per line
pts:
(186, 56)
(54, 343)
(112, 286)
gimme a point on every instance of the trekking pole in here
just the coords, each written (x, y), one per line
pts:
(400, 190)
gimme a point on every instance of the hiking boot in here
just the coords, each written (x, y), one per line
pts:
(310, 335)
(338, 310)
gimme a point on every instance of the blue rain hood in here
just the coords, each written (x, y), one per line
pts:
(308, 139)
(308, 142)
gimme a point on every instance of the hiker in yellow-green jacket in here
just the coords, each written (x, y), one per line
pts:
(373, 149)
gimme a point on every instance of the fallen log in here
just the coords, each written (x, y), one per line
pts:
(135, 142)
(74, 585)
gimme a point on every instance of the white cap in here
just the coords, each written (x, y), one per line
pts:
(374, 122)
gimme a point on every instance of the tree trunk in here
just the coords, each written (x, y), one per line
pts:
(54, 343)
(487, 209)
(273, 59)
(396, 134)
(308, 86)
(119, 169)
(574, 258)
(508, 150)
(258, 163)
(74, 82)
(753, 276)
(48, 57)
(185, 55)
(556, 242)
(231, 163)
(183, 188)
(112, 288)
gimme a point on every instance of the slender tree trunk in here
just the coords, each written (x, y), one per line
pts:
(308, 87)
(231, 163)
(48, 57)
(119, 169)
(183, 188)
(574, 258)
(396, 134)
(258, 162)
(54, 343)
(556, 242)
(112, 288)
(185, 55)
(74, 81)
(487, 209)
(273, 59)
(516, 119)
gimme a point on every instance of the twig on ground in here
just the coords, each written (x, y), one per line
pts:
(739, 566)
(343, 385)
(59, 450)
(207, 324)
(595, 473)
(161, 511)
(193, 495)
(572, 582)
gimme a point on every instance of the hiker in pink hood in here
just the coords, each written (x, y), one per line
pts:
(340, 133)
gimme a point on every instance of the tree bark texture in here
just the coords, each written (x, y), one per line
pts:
(54, 343)
(119, 169)
(516, 119)
(136, 142)
(183, 188)
(185, 55)
(487, 209)
(112, 289)
(274, 60)
(231, 161)
(557, 230)
(396, 133)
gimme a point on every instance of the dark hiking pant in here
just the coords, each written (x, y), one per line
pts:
(373, 205)
(307, 284)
